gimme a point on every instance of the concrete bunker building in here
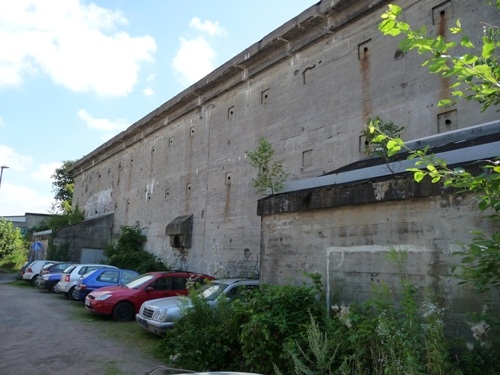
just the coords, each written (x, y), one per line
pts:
(182, 174)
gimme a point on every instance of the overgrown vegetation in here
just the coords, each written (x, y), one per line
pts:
(240, 335)
(270, 174)
(63, 187)
(127, 252)
(283, 329)
(375, 146)
(13, 246)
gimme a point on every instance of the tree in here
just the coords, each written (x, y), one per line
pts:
(270, 174)
(13, 248)
(478, 73)
(63, 187)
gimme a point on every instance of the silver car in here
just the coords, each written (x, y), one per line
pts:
(70, 277)
(159, 315)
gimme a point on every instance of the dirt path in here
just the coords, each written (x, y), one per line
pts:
(39, 337)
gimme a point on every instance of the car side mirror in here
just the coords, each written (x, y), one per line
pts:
(149, 289)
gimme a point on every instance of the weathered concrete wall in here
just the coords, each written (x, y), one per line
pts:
(347, 240)
(308, 87)
(94, 233)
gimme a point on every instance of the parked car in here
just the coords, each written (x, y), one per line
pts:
(20, 274)
(123, 302)
(50, 275)
(71, 275)
(159, 315)
(101, 278)
(49, 282)
(32, 272)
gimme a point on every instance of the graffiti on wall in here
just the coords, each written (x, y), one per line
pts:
(246, 264)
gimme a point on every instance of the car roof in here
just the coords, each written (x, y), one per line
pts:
(76, 265)
(176, 271)
(236, 280)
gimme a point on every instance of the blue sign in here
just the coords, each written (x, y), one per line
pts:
(37, 246)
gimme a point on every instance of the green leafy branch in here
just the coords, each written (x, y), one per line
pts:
(478, 71)
(270, 174)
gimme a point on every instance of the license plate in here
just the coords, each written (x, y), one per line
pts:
(87, 302)
(143, 323)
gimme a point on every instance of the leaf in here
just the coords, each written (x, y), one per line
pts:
(488, 48)
(444, 102)
(418, 176)
(387, 27)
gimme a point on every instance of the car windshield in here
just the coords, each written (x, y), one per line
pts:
(138, 282)
(211, 291)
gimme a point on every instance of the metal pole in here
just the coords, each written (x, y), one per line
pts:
(1, 173)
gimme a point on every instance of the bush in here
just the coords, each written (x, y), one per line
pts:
(242, 336)
(13, 247)
(127, 252)
(206, 338)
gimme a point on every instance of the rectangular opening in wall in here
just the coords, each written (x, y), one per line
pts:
(447, 121)
(441, 13)
(191, 132)
(230, 112)
(228, 178)
(170, 141)
(363, 142)
(364, 49)
(308, 74)
(264, 96)
(307, 159)
(188, 188)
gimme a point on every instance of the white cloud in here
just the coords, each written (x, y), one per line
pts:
(194, 60)
(212, 28)
(78, 45)
(148, 91)
(17, 200)
(102, 124)
(45, 171)
(14, 160)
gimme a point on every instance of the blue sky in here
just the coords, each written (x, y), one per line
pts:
(74, 73)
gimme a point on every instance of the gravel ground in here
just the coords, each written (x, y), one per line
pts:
(39, 337)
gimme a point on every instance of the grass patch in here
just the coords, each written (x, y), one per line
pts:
(122, 332)
(20, 284)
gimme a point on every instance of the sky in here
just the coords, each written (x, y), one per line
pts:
(75, 73)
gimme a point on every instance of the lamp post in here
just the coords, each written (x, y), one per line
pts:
(1, 172)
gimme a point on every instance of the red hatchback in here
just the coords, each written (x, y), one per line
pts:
(123, 302)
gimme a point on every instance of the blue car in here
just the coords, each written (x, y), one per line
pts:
(102, 277)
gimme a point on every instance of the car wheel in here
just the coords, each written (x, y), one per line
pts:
(34, 280)
(54, 288)
(123, 312)
(74, 295)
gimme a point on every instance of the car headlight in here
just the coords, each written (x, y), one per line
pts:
(103, 297)
(160, 315)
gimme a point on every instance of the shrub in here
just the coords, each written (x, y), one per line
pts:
(127, 252)
(13, 247)
(242, 335)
